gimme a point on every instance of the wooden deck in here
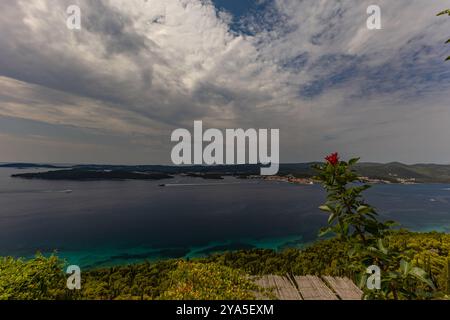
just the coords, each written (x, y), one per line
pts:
(307, 288)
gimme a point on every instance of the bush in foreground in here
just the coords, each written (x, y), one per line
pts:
(220, 276)
(210, 281)
(37, 279)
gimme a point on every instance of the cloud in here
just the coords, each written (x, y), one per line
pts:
(139, 69)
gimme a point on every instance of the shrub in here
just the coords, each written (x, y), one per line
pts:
(198, 281)
(38, 279)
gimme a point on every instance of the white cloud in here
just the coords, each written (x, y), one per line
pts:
(310, 68)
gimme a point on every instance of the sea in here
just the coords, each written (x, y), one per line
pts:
(105, 223)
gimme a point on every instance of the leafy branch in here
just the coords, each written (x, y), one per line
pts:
(445, 12)
(355, 222)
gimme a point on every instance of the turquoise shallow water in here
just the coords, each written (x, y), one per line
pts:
(102, 257)
(107, 223)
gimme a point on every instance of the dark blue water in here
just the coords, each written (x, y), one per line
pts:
(116, 222)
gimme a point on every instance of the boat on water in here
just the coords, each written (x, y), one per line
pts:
(57, 191)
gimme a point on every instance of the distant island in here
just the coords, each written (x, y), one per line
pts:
(31, 166)
(84, 175)
(298, 173)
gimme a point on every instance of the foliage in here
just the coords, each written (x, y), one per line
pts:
(44, 279)
(445, 12)
(413, 265)
(170, 279)
(355, 222)
(429, 251)
(36, 279)
(198, 281)
(400, 279)
(325, 257)
(349, 214)
(145, 281)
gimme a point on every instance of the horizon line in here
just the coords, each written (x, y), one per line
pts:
(202, 165)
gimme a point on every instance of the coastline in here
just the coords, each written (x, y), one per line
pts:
(105, 257)
(102, 258)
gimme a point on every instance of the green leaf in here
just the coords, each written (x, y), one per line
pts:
(353, 161)
(324, 231)
(444, 12)
(421, 275)
(382, 247)
(363, 281)
(325, 208)
(405, 266)
(363, 209)
(332, 217)
(391, 223)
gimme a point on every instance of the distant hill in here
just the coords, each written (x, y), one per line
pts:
(391, 172)
(431, 173)
(85, 175)
(31, 166)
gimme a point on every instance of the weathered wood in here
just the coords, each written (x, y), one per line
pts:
(312, 288)
(281, 287)
(307, 288)
(344, 287)
(286, 290)
(269, 287)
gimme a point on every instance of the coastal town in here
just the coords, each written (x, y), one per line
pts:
(310, 181)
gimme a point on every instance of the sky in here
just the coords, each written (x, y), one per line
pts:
(114, 91)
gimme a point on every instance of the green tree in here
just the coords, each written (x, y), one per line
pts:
(198, 281)
(40, 278)
(400, 278)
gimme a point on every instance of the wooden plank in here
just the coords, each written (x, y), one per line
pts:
(312, 288)
(286, 290)
(309, 288)
(263, 282)
(344, 287)
(281, 287)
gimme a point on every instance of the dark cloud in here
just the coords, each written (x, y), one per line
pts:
(115, 28)
(139, 69)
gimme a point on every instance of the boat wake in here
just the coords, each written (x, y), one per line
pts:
(203, 184)
(34, 191)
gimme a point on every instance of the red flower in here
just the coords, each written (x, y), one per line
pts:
(333, 159)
